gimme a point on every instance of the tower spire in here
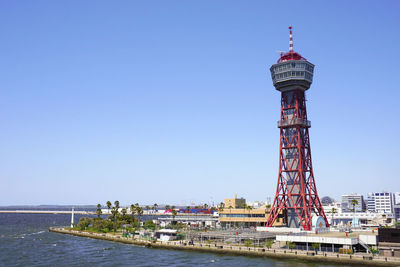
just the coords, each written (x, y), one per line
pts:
(291, 40)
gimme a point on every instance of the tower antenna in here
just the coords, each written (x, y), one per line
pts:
(291, 40)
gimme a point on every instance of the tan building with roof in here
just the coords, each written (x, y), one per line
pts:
(235, 203)
(246, 218)
(234, 214)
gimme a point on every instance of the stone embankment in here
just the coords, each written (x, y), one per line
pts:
(359, 260)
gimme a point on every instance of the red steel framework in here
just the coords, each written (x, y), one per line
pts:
(296, 193)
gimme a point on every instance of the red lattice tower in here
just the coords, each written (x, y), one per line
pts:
(296, 193)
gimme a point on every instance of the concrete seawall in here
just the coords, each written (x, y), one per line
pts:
(242, 250)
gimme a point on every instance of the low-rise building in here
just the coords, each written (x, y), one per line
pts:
(389, 242)
(232, 218)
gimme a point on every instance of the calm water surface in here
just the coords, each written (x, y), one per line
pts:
(25, 241)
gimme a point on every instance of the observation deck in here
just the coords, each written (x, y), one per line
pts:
(294, 122)
(292, 75)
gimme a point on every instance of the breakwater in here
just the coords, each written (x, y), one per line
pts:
(241, 250)
(48, 212)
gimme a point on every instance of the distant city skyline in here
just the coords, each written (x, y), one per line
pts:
(166, 102)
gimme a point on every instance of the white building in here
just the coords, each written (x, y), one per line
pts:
(397, 198)
(381, 202)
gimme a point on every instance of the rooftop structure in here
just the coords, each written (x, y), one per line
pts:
(235, 203)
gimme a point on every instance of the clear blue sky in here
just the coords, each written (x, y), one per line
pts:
(172, 101)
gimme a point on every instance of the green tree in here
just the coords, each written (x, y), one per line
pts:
(139, 210)
(108, 206)
(354, 202)
(221, 206)
(149, 225)
(248, 243)
(333, 211)
(108, 225)
(291, 245)
(155, 206)
(98, 211)
(84, 223)
(147, 207)
(316, 246)
(249, 208)
(374, 251)
(167, 207)
(174, 212)
(114, 212)
(99, 224)
(116, 204)
(123, 211)
(269, 243)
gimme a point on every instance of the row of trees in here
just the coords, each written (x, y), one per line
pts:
(122, 217)
(118, 217)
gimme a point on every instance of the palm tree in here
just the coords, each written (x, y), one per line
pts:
(108, 206)
(205, 206)
(230, 208)
(244, 206)
(147, 207)
(167, 207)
(155, 206)
(354, 202)
(249, 208)
(98, 211)
(174, 212)
(123, 211)
(114, 212)
(116, 204)
(333, 211)
(139, 210)
(221, 206)
(133, 210)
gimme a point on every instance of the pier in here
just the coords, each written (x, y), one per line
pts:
(49, 211)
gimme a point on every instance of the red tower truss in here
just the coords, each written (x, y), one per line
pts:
(296, 193)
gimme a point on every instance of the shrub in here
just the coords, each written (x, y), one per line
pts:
(269, 243)
(291, 245)
(84, 222)
(316, 246)
(149, 225)
(248, 243)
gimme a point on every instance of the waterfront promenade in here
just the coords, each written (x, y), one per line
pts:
(223, 248)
